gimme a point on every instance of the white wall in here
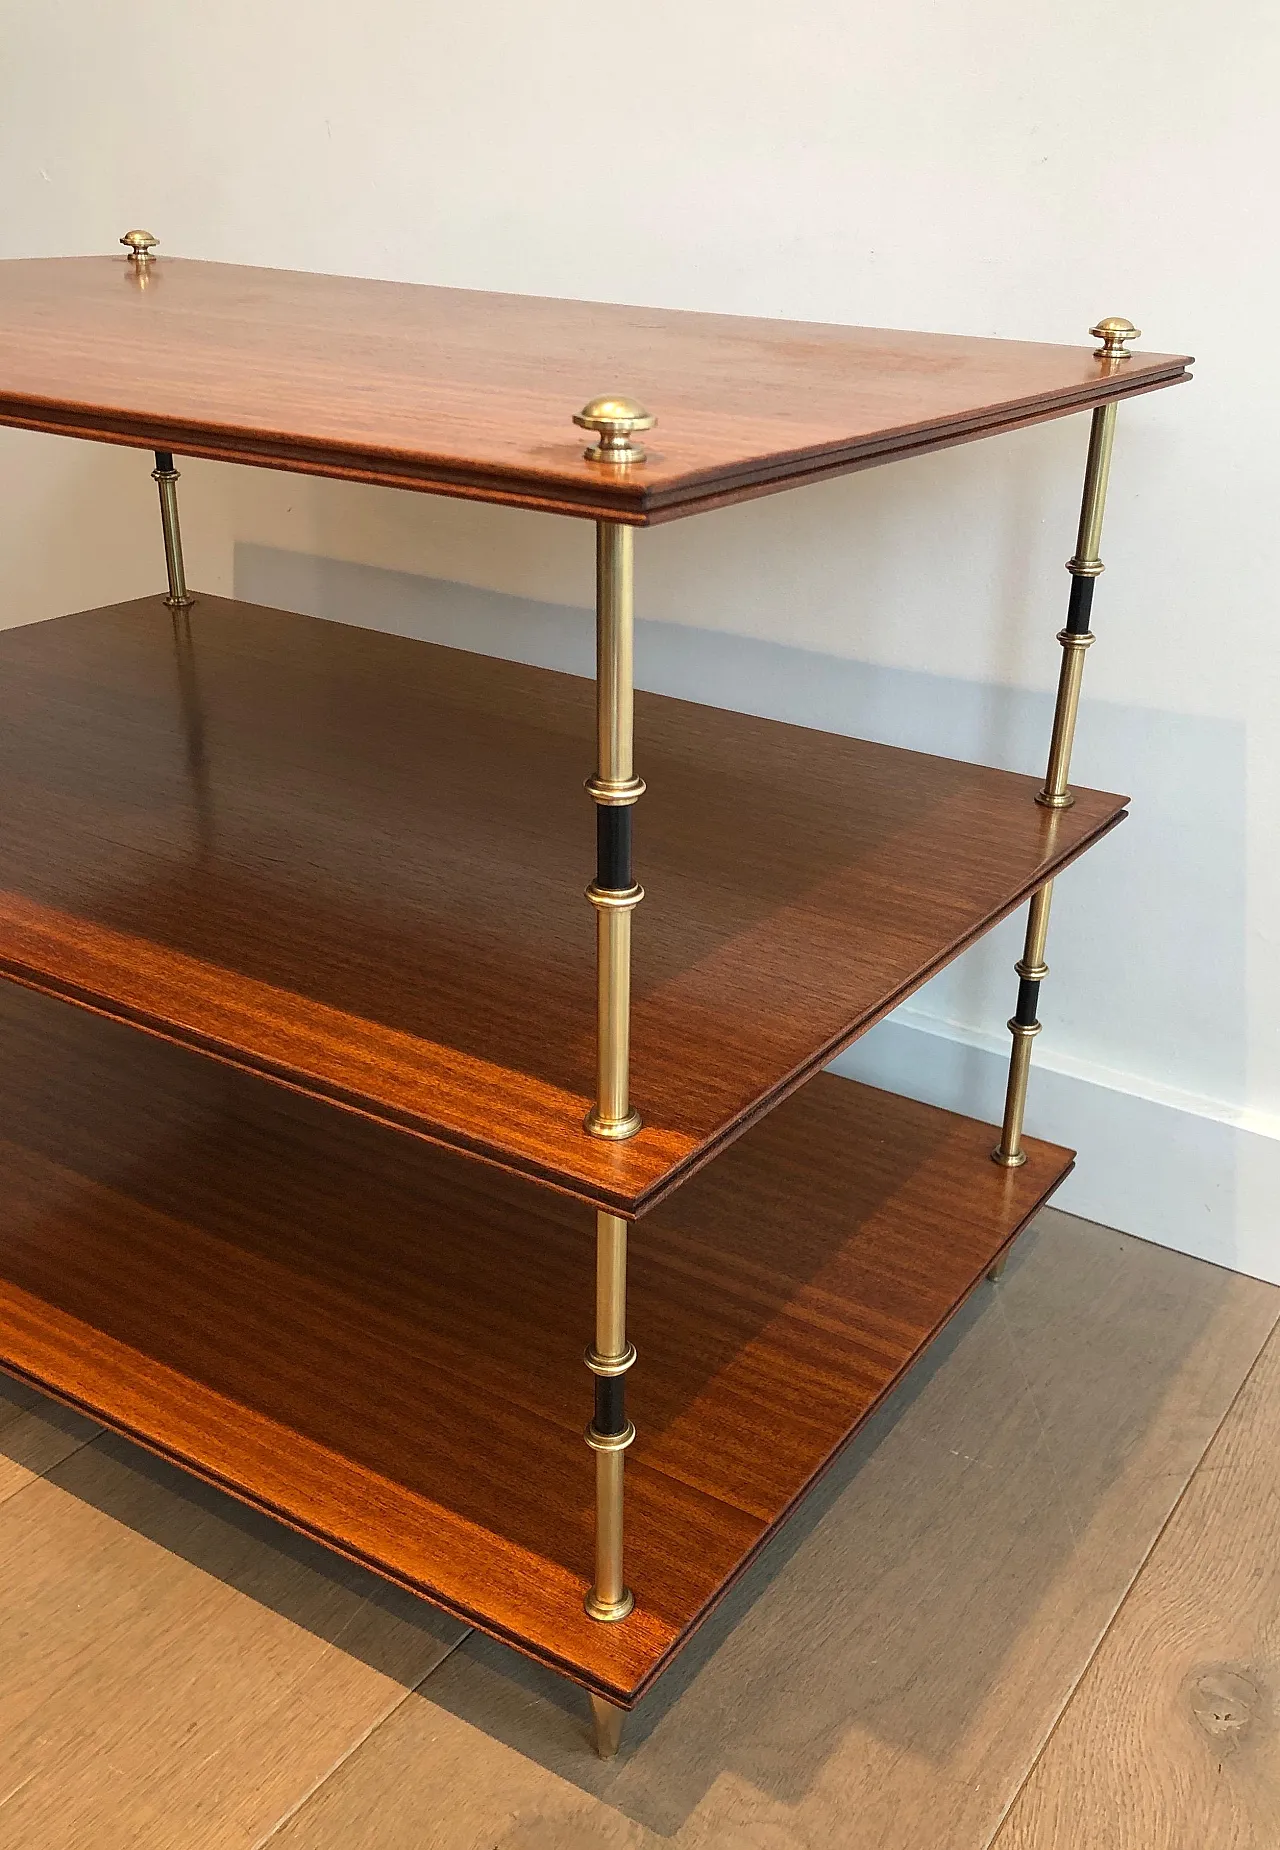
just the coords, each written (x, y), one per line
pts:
(993, 169)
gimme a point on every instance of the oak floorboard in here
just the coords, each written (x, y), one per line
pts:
(35, 1434)
(339, 1324)
(891, 1666)
(177, 1673)
(1172, 1741)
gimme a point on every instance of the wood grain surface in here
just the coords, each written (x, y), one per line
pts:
(382, 1343)
(890, 1668)
(1172, 1741)
(357, 863)
(458, 392)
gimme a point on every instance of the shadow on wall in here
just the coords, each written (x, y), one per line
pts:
(1147, 945)
(1143, 1064)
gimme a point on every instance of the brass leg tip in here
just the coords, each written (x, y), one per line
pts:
(1006, 1161)
(608, 1725)
(609, 1611)
(616, 1130)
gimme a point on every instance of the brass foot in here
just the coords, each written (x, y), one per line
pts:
(608, 1726)
(997, 1270)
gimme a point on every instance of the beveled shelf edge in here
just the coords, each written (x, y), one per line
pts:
(702, 498)
(216, 1480)
(628, 503)
(837, 1452)
(624, 1696)
(809, 1069)
(206, 1048)
(630, 1207)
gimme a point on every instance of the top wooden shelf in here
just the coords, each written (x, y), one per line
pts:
(457, 392)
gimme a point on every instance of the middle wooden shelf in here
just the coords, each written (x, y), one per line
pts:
(355, 863)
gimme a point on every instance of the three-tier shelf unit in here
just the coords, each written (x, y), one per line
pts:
(328, 1103)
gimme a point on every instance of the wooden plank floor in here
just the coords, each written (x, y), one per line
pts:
(335, 1321)
(1171, 1739)
(175, 1671)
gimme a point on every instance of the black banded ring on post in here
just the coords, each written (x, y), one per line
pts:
(1085, 566)
(1023, 1026)
(610, 1431)
(615, 893)
(614, 788)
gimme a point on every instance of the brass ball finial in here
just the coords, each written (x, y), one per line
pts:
(616, 418)
(1113, 333)
(141, 246)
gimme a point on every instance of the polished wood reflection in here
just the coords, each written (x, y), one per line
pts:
(382, 1343)
(460, 392)
(356, 863)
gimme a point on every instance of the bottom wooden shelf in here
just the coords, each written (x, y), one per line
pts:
(382, 1343)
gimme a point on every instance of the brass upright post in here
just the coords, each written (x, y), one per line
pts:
(615, 788)
(610, 1431)
(141, 247)
(1085, 567)
(615, 894)
(165, 476)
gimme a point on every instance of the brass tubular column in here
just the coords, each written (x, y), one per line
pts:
(615, 788)
(610, 1431)
(615, 894)
(1085, 567)
(165, 476)
(1023, 1026)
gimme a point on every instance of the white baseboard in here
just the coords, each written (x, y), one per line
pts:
(1169, 1166)
(1183, 1171)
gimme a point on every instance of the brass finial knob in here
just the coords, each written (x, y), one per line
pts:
(616, 419)
(1113, 333)
(140, 245)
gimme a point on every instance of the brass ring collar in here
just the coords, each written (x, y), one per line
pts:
(612, 1130)
(608, 1611)
(609, 1441)
(608, 1365)
(615, 899)
(616, 792)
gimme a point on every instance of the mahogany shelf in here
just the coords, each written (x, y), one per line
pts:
(356, 863)
(381, 1343)
(462, 393)
(322, 1231)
